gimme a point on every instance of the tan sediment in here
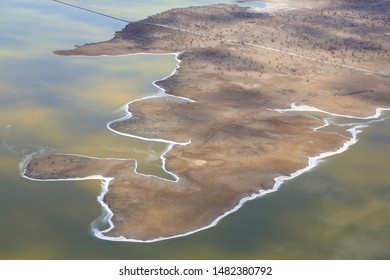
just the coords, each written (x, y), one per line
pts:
(236, 65)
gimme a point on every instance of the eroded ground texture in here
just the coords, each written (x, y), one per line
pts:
(236, 65)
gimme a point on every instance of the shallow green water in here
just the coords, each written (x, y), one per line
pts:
(338, 210)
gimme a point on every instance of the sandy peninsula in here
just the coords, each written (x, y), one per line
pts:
(236, 66)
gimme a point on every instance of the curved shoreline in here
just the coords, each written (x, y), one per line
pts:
(107, 214)
(312, 163)
(239, 150)
(161, 93)
(306, 108)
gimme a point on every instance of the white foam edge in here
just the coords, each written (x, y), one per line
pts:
(128, 115)
(28, 158)
(161, 93)
(327, 121)
(312, 163)
(107, 214)
(106, 217)
(306, 108)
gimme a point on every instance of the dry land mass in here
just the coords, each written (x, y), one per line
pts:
(236, 64)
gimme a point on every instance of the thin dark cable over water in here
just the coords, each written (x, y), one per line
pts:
(91, 11)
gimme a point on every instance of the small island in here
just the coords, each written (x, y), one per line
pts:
(229, 138)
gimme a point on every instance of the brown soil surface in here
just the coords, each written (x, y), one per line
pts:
(236, 65)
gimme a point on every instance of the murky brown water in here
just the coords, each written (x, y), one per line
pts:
(62, 104)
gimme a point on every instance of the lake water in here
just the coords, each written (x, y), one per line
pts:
(49, 103)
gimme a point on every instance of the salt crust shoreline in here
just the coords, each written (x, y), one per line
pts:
(107, 214)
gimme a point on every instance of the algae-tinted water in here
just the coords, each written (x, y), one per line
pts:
(62, 104)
